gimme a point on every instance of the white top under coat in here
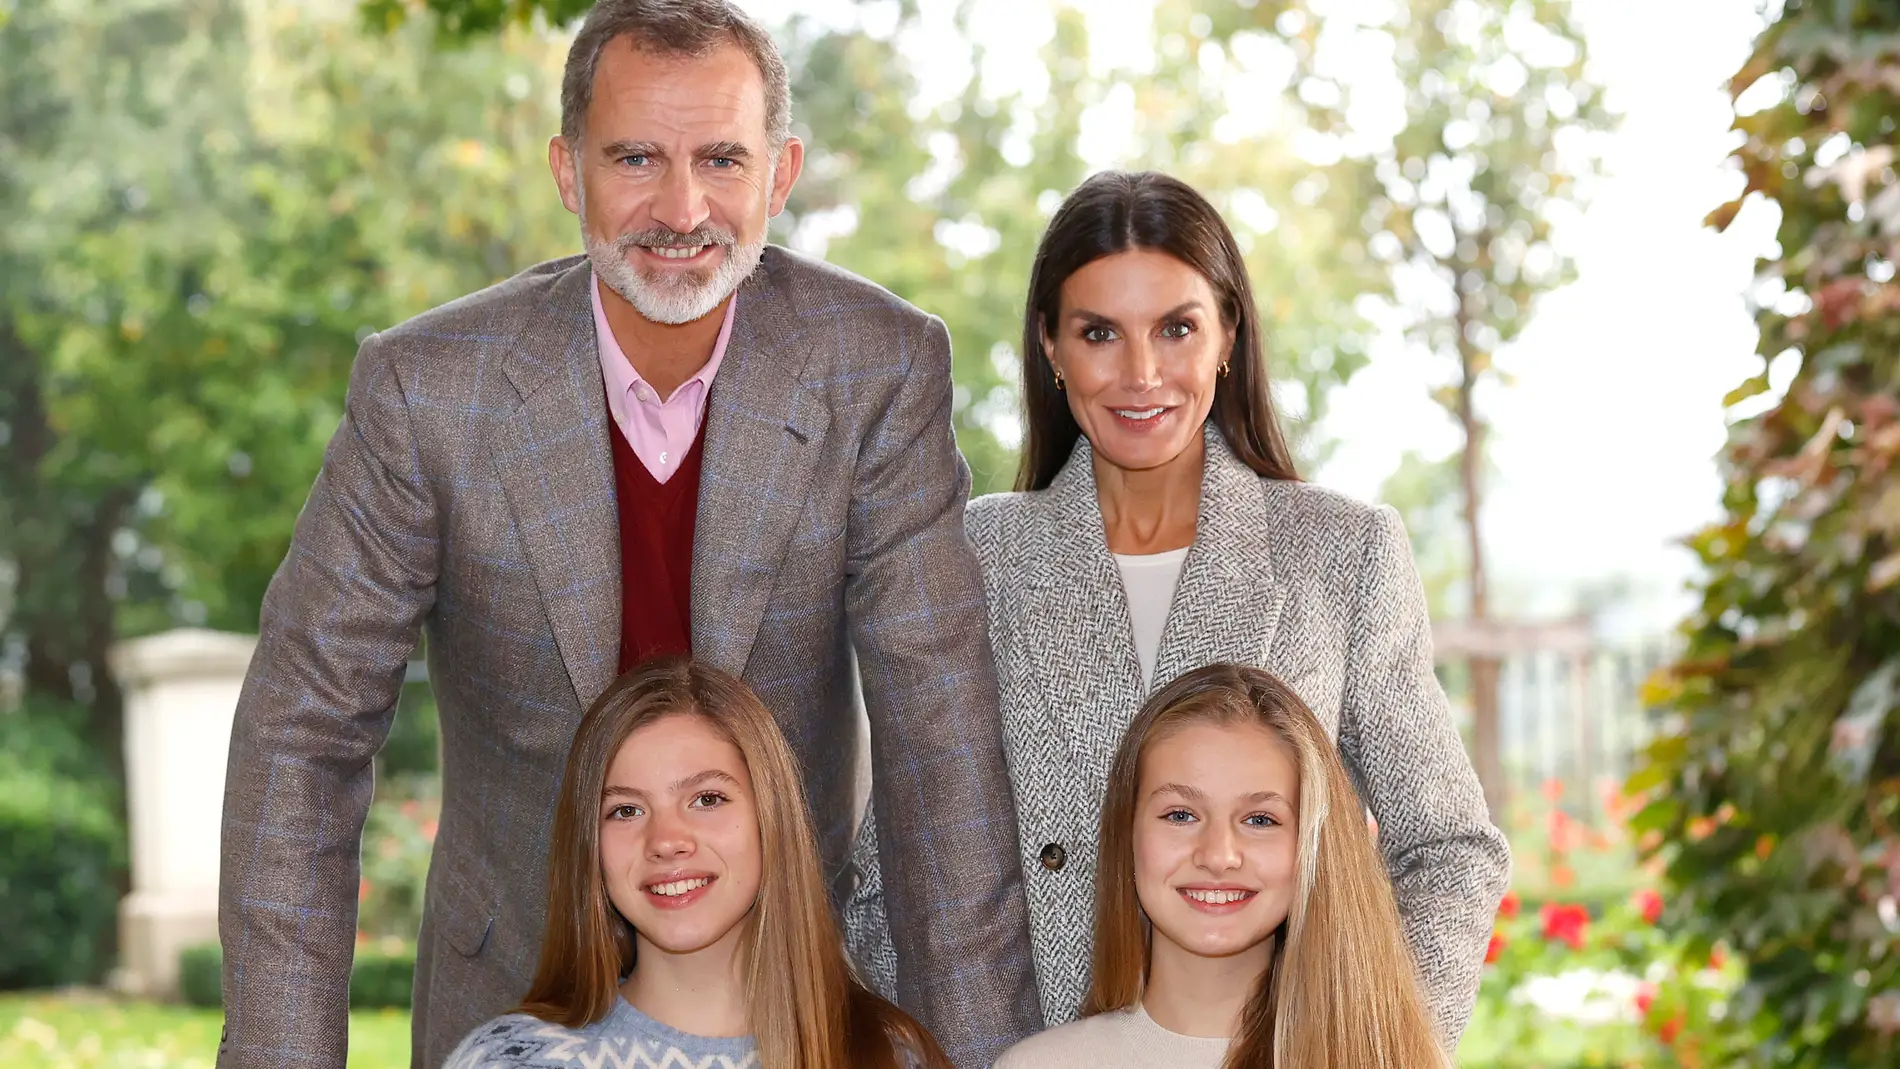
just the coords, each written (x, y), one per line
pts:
(1149, 580)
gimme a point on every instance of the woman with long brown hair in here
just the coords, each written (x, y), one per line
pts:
(1243, 918)
(1159, 525)
(688, 921)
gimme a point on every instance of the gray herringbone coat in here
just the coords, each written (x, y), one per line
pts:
(1304, 582)
(469, 495)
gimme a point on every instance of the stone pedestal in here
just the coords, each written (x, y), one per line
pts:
(181, 689)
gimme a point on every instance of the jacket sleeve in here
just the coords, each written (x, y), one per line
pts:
(1449, 865)
(946, 819)
(338, 623)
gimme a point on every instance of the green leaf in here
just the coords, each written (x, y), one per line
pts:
(1750, 387)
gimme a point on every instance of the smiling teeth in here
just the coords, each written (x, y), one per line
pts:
(676, 252)
(679, 887)
(1139, 413)
(1217, 898)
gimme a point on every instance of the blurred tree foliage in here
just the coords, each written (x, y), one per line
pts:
(1501, 118)
(208, 205)
(1776, 798)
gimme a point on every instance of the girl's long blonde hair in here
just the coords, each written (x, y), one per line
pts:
(805, 1008)
(1341, 990)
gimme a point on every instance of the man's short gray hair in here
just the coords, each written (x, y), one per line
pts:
(680, 27)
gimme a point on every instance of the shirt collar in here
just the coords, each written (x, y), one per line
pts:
(622, 379)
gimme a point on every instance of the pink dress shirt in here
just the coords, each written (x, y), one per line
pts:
(659, 430)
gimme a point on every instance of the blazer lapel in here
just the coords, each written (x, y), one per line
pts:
(552, 456)
(764, 427)
(1227, 603)
(1077, 619)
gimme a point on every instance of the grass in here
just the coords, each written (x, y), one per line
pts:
(87, 1030)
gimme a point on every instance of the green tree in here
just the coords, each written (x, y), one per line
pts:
(1775, 796)
(1500, 118)
(209, 205)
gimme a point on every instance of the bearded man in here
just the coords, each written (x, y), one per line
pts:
(686, 440)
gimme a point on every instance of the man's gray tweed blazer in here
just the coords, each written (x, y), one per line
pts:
(469, 496)
(1311, 585)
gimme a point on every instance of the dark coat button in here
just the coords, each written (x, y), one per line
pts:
(1053, 857)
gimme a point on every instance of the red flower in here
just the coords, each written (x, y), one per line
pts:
(1717, 957)
(1670, 1029)
(1649, 904)
(1509, 906)
(1565, 924)
(1496, 949)
(1553, 790)
(1645, 998)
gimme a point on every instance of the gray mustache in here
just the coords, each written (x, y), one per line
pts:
(663, 238)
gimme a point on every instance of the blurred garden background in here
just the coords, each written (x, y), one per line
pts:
(1600, 294)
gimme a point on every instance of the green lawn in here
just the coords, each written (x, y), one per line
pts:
(90, 1031)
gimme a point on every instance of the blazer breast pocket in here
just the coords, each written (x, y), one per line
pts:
(463, 908)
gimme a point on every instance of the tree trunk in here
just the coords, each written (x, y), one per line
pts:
(60, 544)
(1483, 669)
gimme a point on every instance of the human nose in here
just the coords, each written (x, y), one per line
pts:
(681, 205)
(1141, 366)
(1219, 849)
(669, 837)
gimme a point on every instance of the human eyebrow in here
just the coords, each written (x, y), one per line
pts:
(613, 791)
(615, 150)
(697, 779)
(1258, 797)
(1088, 318)
(727, 150)
(1192, 794)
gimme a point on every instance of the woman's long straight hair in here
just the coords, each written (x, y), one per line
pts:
(1118, 211)
(1341, 989)
(805, 1008)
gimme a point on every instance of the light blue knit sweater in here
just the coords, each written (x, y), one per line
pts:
(624, 1039)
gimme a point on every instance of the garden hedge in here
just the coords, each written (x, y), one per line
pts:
(62, 849)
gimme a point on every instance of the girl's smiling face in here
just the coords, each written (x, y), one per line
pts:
(679, 836)
(1216, 837)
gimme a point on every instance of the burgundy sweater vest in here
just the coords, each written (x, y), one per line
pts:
(656, 551)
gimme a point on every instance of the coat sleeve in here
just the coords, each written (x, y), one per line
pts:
(338, 623)
(1449, 865)
(946, 819)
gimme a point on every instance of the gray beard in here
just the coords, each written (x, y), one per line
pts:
(672, 298)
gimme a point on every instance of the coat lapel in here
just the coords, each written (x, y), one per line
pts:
(1077, 618)
(552, 456)
(764, 429)
(1227, 603)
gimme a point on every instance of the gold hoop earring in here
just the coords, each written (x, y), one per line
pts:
(1223, 369)
(1059, 386)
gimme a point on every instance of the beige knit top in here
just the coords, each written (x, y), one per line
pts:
(1125, 1039)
